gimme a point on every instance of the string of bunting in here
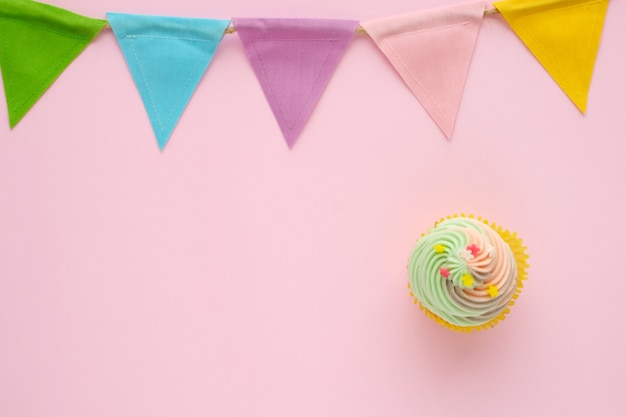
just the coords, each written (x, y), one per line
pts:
(294, 59)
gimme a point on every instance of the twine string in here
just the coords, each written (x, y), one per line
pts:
(360, 30)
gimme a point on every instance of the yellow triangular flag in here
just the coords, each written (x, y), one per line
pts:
(563, 35)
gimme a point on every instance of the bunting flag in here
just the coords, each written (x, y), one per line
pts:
(167, 57)
(293, 60)
(432, 50)
(563, 35)
(37, 43)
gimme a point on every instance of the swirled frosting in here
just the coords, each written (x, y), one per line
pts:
(463, 272)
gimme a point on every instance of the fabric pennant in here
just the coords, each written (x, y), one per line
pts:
(432, 50)
(293, 60)
(564, 36)
(167, 57)
(37, 43)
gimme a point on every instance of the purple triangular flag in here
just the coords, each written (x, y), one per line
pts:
(294, 60)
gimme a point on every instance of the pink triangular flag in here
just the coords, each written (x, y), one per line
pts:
(293, 60)
(432, 50)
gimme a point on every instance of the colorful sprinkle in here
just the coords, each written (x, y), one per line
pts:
(440, 249)
(466, 255)
(491, 250)
(444, 272)
(474, 249)
(467, 279)
(493, 291)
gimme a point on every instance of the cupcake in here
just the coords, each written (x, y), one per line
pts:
(465, 273)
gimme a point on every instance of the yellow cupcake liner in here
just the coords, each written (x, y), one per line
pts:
(521, 258)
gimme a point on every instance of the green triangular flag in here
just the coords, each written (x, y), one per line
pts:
(37, 43)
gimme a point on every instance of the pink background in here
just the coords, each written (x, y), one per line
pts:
(229, 276)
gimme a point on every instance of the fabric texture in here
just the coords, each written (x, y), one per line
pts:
(167, 57)
(432, 51)
(564, 36)
(37, 43)
(293, 60)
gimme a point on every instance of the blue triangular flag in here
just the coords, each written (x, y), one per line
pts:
(167, 57)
